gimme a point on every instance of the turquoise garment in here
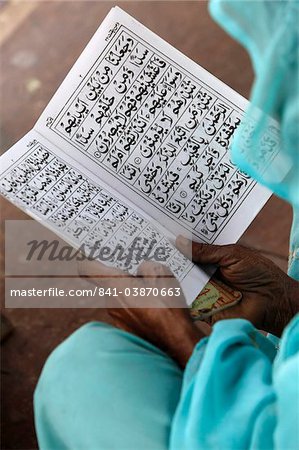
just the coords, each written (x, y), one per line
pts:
(238, 394)
(270, 33)
(106, 389)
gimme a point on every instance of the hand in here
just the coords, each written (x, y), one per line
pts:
(165, 321)
(270, 297)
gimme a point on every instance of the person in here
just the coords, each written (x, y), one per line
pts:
(154, 380)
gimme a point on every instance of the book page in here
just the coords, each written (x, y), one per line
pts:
(157, 126)
(151, 129)
(88, 214)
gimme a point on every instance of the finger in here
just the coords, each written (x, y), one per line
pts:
(235, 312)
(149, 269)
(164, 285)
(109, 278)
(243, 310)
(98, 271)
(221, 255)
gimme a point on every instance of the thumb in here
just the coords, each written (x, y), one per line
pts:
(222, 255)
(153, 270)
(95, 269)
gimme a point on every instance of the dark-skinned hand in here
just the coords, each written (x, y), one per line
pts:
(270, 297)
(164, 321)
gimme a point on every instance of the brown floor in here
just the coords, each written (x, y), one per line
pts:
(39, 43)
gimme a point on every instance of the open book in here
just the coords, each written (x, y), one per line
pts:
(133, 148)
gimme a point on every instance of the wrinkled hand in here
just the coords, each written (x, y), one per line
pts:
(270, 297)
(165, 321)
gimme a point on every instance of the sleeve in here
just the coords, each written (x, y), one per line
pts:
(231, 397)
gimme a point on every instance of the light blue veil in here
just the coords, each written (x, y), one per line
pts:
(269, 31)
